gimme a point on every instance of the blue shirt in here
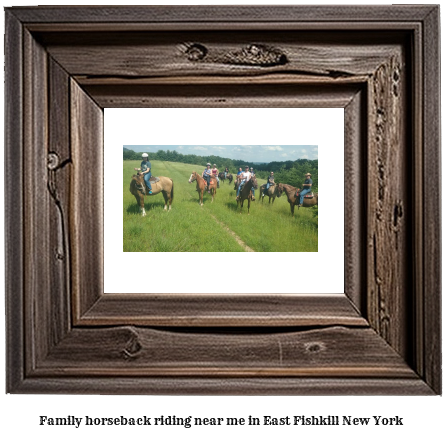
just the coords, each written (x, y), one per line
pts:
(145, 165)
(308, 181)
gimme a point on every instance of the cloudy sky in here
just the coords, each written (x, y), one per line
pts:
(251, 153)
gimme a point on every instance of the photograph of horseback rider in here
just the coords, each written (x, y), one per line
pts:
(215, 173)
(244, 178)
(252, 189)
(306, 187)
(207, 175)
(145, 170)
(269, 183)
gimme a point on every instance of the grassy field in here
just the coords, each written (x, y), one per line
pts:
(216, 226)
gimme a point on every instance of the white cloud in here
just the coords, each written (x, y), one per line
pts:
(220, 148)
(284, 155)
(303, 151)
(305, 156)
(273, 148)
(200, 148)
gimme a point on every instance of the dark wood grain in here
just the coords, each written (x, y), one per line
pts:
(164, 55)
(86, 227)
(354, 196)
(251, 310)
(64, 65)
(129, 351)
(37, 307)
(59, 172)
(388, 203)
(226, 386)
(431, 316)
(225, 14)
(14, 239)
(227, 96)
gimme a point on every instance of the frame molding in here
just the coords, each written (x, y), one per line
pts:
(64, 65)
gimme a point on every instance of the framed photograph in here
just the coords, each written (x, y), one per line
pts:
(287, 141)
(376, 332)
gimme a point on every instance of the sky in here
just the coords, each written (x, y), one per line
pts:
(251, 153)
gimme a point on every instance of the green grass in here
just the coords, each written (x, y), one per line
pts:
(190, 227)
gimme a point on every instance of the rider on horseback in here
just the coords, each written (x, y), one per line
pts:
(207, 175)
(252, 188)
(244, 177)
(145, 170)
(307, 185)
(269, 183)
(215, 173)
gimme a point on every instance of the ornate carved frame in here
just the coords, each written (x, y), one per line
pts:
(64, 65)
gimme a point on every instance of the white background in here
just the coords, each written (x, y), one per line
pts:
(277, 126)
(19, 413)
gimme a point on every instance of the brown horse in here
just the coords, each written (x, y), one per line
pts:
(222, 177)
(307, 202)
(245, 192)
(272, 192)
(213, 186)
(138, 189)
(202, 186)
(293, 195)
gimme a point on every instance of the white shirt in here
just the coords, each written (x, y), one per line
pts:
(246, 176)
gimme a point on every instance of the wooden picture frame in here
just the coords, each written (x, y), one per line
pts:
(379, 63)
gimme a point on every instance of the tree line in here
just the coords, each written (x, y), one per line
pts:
(286, 172)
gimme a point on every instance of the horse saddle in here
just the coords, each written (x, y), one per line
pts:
(154, 179)
(309, 195)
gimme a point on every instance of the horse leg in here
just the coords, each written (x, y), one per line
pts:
(142, 205)
(165, 197)
(249, 204)
(292, 209)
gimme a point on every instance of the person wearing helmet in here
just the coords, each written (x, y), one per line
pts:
(307, 185)
(145, 170)
(207, 175)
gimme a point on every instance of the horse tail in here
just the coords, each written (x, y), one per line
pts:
(132, 188)
(172, 190)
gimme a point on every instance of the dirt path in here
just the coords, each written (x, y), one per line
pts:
(239, 241)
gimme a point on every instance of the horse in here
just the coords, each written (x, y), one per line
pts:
(222, 177)
(164, 185)
(201, 185)
(237, 182)
(272, 192)
(213, 186)
(245, 192)
(307, 202)
(293, 195)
